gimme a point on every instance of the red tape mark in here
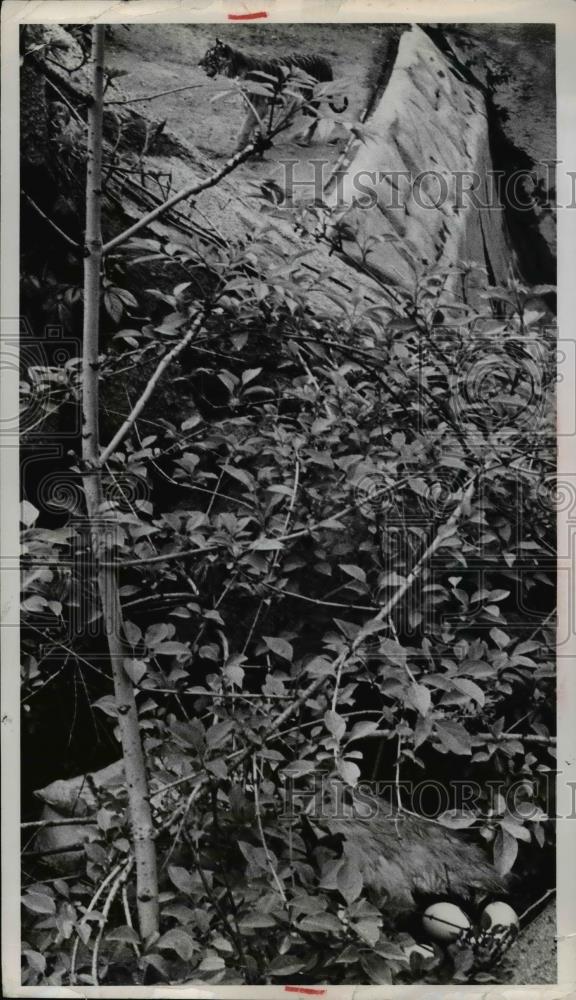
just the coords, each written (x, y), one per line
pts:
(307, 990)
(248, 17)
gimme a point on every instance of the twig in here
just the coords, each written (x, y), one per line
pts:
(91, 905)
(198, 489)
(128, 916)
(153, 381)
(383, 734)
(315, 600)
(67, 69)
(392, 628)
(152, 97)
(187, 192)
(192, 796)
(337, 680)
(171, 595)
(542, 624)
(262, 836)
(60, 645)
(67, 102)
(116, 885)
(61, 233)
(215, 900)
(68, 821)
(397, 775)
(292, 536)
(549, 892)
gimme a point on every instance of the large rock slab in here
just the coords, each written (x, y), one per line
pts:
(427, 169)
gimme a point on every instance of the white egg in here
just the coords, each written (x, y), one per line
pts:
(499, 915)
(444, 922)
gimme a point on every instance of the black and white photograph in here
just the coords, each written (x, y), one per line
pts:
(286, 459)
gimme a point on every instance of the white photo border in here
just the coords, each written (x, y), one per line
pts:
(14, 13)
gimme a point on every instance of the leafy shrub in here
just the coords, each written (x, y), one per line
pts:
(288, 492)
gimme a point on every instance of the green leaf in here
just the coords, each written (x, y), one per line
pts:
(126, 297)
(368, 931)
(156, 634)
(470, 688)
(322, 923)
(35, 960)
(420, 698)
(335, 724)
(181, 878)
(256, 856)
(28, 513)
(222, 944)
(249, 374)
(499, 637)
(191, 732)
(257, 920)
(35, 604)
(39, 902)
(515, 829)
(267, 545)
(234, 674)
(106, 820)
(353, 571)
(216, 735)
(279, 646)
(456, 819)
(530, 812)
(297, 768)
(218, 768)
(107, 704)
(136, 669)
(451, 462)
(349, 772)
(320, 666)
(180, 940)
(114, 306)
(505, 851)
(349, 880)
(124, 933)
(286, 966)
(241, 475)
(371, 628)
(454, 737)
(377, 969)
(171, 648)
(361, 729)
(477, 668)
(132, 632)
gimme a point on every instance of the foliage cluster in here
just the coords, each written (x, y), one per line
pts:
(257, 540)
(333, 539)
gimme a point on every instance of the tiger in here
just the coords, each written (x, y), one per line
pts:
(221, 59)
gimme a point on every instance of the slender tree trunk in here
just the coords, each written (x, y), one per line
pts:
(134, 765)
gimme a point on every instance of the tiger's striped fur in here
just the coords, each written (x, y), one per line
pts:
(223, 60)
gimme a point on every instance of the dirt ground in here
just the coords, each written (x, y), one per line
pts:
(157, 58)
(533, 957)
(168, 57)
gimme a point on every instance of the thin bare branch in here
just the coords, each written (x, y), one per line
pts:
(152, 383)
(187, 192)
(152, 97)
(67, 239)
